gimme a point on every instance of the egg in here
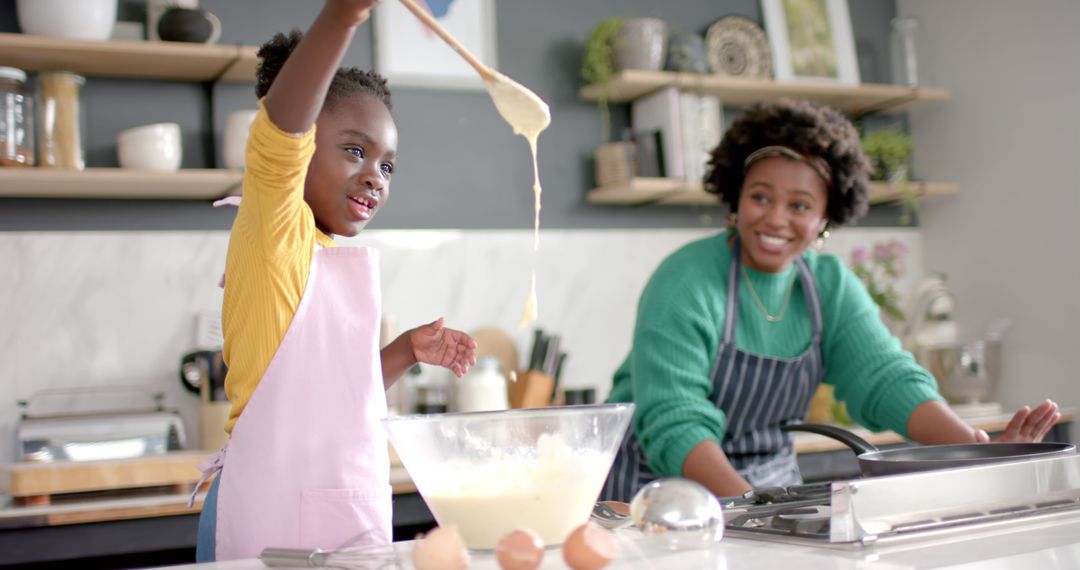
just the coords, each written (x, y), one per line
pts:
(440, 549)
(589, 547)
(521, 549)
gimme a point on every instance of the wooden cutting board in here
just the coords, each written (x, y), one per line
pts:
(38, 483)
(493, 341)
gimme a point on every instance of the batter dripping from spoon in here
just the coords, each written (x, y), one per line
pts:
(527, 114)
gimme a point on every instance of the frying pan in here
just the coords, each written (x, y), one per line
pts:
(873, 461)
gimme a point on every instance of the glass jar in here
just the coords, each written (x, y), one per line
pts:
(482, 389)
(60, 126)
(16, 119)
(904, 47)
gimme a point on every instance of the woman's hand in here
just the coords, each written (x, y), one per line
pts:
(934, 423)
(1027, 425)
(350, 12)
(435, 344)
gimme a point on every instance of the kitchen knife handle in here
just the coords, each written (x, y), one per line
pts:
(536, 357)
(551, 354)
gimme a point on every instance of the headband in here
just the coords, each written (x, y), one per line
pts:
(817, 163)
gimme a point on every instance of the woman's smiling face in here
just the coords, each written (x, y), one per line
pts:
(781, 212)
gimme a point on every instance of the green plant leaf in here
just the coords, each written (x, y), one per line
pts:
(598, 63)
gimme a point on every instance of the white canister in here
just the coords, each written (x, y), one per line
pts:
(482, 389)
(237, 126)
(155, 147)
(76, 19)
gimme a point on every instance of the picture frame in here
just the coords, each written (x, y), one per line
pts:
(811, 40)
(409, 54)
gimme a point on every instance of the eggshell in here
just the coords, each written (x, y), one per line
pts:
(521, 549)
(441, 549)
(589, 547)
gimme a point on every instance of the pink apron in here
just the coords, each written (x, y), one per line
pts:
(307, 464)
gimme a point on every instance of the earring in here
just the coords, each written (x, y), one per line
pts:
(732, 220)
(821, 239)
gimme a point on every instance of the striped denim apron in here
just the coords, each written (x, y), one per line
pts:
(756, 393)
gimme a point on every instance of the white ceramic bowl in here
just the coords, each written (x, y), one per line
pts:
(76, 19)
(237, 125)
(150, 147)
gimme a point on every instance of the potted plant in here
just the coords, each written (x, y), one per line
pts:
(889, 151)
(598, 65)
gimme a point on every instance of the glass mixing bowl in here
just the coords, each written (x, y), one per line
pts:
(489, 473)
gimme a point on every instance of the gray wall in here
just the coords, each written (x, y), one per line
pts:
(460, 166)
(1009, 137)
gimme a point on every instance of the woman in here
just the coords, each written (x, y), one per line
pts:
(734, 332)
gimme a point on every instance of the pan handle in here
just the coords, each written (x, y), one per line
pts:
(856, 443)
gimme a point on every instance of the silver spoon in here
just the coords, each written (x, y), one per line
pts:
(611, 514)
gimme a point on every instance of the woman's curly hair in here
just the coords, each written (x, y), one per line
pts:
(814, 130)
(347, 81)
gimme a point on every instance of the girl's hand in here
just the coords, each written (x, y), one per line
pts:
(434, 344)
(350, 12)
(1029, 425)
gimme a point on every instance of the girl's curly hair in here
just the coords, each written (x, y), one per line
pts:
(347, 81)
(814, 130)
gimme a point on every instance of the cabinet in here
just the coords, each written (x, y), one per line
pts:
(144, 60)
(856, 100)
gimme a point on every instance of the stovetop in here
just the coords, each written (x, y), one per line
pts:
(863, 512)
(799, 510)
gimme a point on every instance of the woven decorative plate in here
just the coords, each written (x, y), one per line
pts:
(738, 46)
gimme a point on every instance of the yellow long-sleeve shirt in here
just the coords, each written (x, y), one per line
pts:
(271, 247)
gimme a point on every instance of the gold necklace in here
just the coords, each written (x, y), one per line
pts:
(761, 306)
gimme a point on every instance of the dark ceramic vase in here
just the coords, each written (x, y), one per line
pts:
(189, 25)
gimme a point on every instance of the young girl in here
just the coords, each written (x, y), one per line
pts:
(307, 463)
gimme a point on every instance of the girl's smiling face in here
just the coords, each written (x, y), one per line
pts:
(781, 212)
(348, 179)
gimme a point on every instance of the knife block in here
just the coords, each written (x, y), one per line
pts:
(533, 389)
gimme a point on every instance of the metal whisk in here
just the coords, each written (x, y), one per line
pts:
(381, 557)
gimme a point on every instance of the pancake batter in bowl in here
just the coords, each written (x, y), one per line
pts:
(550, 492)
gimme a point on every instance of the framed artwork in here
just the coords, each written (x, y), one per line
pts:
(408, 54)
(811, 40)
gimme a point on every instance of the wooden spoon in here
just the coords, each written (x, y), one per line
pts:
(526, 113)
(486, 73)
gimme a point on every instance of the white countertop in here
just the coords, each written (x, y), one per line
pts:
(1042, 546)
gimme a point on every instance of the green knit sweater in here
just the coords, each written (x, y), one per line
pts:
(680, 325)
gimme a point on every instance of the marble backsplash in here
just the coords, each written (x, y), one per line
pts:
(95, 309)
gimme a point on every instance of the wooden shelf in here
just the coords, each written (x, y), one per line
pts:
(630, 84)
(148, 60)
(676, 192)
(885, 193)
(202, 184)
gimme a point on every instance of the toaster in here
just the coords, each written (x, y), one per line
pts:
(75, 433)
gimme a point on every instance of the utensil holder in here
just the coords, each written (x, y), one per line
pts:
(212, 419)
(533, 389)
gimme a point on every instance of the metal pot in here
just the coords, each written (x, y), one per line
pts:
(966, 373)
(873, 461)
